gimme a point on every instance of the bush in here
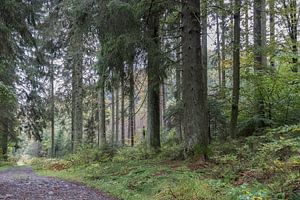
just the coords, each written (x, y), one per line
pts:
(86, 156)
(50, 164)
(140, 152)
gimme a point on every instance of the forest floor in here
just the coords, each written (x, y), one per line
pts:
(21, 183)
(261, 167)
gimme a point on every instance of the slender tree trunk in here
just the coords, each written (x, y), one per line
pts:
(292, 18)
(264, 33)
(113, 116)
(163, 105)
(247, 24)
(204, 32)
(195, 119)
(97, 121)
(219, 53)
(257, 29)
(128, 127)
(52, 110)
(236, 69)
(223, 43)
(272, 32)
(178, 96)
(117, 115)
(73, 111)
(154, 86)
(102, 128)
(79, 106)
(122, 110)
(131, 117)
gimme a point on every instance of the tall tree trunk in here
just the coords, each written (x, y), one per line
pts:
(257, 29)
(292, 18)
(113, 116)
(77, 89)
(131, 117)
(204, 32)
(195, 119)
(259, 48)
(219, 52)
(178, 96)
(154, 85)
(236, 69)
(4, 139)
(246, 6)
(163, 104)
(272, 32)
(204, 7)
(79, 108)
(264, 33)
(52, 110)
(102, 128)
(117, 114)
(73, 111)
(223, 43)
(122, 110)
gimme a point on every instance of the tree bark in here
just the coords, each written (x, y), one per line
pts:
(195, 120)
(52, 110)
(131, 103)
(204, 11)
(163, 105)
(102, 128)
(204, 32)
(117, 115)
(247, 24)
(223, 43)
(236, 69)
(219, 53)
(122, 110)
(112, 115)
(4, 139)
(178, 97)
(154, 85)
(76, 48)
(259, 48)
(292, 19)
(73, 133)
(272, 31)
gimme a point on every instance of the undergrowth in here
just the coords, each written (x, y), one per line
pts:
(253, 168)
(6, 164)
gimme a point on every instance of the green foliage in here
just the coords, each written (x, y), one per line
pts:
(279, 90)
(6, 94)
(7, 163)
(86, 155)
(138, 153)
(258, 192)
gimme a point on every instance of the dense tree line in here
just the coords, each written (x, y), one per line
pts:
(207, 69)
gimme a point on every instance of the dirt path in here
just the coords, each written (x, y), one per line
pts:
(22, 183)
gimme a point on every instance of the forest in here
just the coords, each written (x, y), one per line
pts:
(150, 99)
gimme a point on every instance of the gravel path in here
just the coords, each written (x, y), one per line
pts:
(21, 183)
